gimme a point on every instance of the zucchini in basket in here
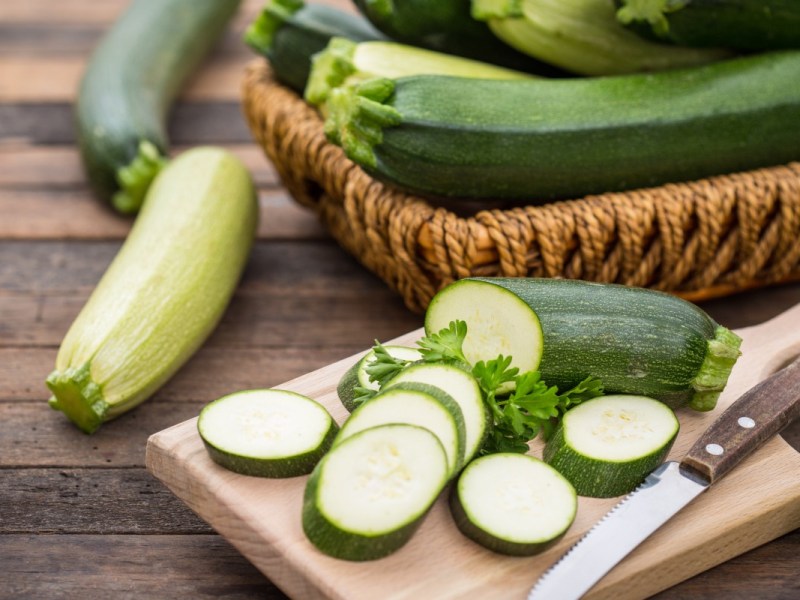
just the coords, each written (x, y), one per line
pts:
(546, 139)
(741, 24)
(636, 341)
(129, 85)
(289, 32)
(583, 36)
(164, 291)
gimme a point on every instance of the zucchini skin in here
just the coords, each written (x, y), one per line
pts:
(740, 24)
(636, 341)
(288, 33)
(447, 26)
(163, 293)
(129, 85)
(541, 140)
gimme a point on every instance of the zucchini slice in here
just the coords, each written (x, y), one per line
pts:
(415, 404)
(513, 504)
(606, 446)
(463, 388)
(368, 495)
(357, 376)
(634, 340)
(266, 433)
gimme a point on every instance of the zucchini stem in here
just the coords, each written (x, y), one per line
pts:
(357, 116)
(483, 10)
(329, 69)
(653, 12)
(78, 397)
(261, 32)
(722, 353)
(134, 179)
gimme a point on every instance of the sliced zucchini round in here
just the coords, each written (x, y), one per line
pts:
(370, 493)
(463, 388)
(498, 322)
(606, 446)
(357, 376)
(266, 433)
(415, 404)
(513, 503)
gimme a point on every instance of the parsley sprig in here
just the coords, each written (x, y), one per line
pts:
(521, 405)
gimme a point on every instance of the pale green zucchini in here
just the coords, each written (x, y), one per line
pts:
(164, 291)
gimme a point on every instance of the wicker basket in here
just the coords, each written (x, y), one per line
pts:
(700, 240)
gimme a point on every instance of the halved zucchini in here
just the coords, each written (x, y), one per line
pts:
(267, 433)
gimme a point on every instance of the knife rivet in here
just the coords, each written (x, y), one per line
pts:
(746, 422)
(715, 449)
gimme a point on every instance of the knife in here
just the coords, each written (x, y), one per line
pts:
(755, 417)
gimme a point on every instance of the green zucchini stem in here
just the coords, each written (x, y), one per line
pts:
(135, 178)
(329, 69)
(259, 35)
(653, 12)
(78, 397)
(483, 10)
(722, 353)
(357, 116)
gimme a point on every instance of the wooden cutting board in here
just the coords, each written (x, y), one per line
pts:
(755, 503)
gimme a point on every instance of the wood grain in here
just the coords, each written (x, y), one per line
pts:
(749, 507)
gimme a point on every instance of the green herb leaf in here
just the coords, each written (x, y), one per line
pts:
(362, 394)
(446, 345)
(384, 366)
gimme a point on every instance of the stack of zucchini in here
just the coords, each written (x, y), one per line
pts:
(579, 97)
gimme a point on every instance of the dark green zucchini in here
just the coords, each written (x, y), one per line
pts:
(636, 341)
(740, 24)
(288, 33)
(447, 26)
(129, 85)
(546, 139)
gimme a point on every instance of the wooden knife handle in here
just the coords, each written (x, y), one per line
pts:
(760, 413)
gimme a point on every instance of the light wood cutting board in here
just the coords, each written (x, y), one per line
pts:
(757, 502)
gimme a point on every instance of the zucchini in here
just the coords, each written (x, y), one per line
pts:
(164, 291)
(513, 504)
(741, 24)
(266, 433)
(540, 140)
(583, 36)
(463, 388)
(345, 61)
(636, 341)
(368, 495)
(289, 32)
(446, 26)
(415, 404)
(606, 446)
(357, 376)
(129, 85)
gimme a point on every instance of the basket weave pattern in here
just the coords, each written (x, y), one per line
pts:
(700, 239)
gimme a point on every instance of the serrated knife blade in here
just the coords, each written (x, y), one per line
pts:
(756, 416)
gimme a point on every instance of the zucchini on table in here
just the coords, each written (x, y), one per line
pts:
(164, 291)
(636, 341)
(543, 139)
(606, 446)
(266, 433)
(129, 85)
(583, 36)
(347, 62)
(740, 24)
(446, 26)
(289, 32)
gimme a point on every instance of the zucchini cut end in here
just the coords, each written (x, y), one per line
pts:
(78, 397)
(329, 69)
(723, 352)
(135, 178)
(260, 34)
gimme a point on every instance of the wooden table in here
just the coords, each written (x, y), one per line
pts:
(79, 515)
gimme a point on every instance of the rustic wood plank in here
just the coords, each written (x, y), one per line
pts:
(105, 501)
(128, 567)
(189, 124)
(76, 215)
(24, 166)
